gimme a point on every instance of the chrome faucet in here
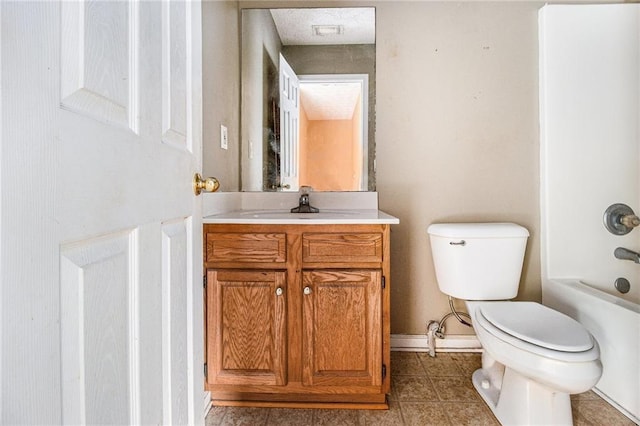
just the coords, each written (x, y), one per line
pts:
(304, 205)
(626, 254)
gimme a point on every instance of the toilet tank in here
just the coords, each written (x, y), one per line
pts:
(478, 261)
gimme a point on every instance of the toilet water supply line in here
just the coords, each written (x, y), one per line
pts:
(436, 329)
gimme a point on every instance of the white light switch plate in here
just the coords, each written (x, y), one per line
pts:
(224, 137)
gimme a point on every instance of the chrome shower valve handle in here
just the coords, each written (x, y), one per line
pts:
(619, 219)
(630, 221)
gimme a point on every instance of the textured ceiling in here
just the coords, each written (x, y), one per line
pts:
(329, 101)
(295, 25)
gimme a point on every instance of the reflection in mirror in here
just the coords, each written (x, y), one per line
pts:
(333, 132)
(291, 134)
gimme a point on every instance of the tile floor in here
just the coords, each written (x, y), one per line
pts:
(424, 391)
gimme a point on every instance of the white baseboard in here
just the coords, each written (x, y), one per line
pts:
(207, 403)
(452, 343)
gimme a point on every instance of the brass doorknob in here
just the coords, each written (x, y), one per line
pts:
(209, 184)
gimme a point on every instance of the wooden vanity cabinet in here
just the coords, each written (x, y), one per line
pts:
(247, 326)
(297, 315)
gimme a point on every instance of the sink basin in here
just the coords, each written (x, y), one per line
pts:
(283, 214)
(325, 216)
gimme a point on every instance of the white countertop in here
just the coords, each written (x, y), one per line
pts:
(324, 217)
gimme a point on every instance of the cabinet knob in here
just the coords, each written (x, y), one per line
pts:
(307, 290)
(279, 291)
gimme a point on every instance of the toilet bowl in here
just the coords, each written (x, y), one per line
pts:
(533, 357)
(536, 352)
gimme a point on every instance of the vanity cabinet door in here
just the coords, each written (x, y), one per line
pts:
(246, 313)
(342, 333)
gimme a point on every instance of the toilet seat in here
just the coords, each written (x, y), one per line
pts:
(538, 329)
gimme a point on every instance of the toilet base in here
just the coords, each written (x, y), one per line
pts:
(518, 400)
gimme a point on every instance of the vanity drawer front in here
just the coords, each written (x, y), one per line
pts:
(246, 247)
(341, 247)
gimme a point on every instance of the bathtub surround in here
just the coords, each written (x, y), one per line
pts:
(589, 108)
(590, 147)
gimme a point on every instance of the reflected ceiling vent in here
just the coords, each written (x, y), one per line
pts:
(327, 30)
(325, 26)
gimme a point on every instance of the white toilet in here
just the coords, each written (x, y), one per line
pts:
(534, 357)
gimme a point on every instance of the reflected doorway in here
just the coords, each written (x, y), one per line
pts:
(333, 132)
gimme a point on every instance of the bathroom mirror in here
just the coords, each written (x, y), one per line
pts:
(308, 99)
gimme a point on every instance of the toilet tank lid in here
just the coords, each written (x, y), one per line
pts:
(477, 230)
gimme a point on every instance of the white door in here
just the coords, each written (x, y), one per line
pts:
(101, 306)
(289, 126)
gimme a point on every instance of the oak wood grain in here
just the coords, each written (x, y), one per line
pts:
(333, 341)
(246, 247)
(341, 317)
(342, 247)
(247, 324)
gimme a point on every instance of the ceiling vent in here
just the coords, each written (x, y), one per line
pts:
(327, 30)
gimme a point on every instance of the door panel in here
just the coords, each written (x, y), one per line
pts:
(99, 330)
(342, 339)
(248, 345)
(175, 303)
(99, 49)
(176, 80)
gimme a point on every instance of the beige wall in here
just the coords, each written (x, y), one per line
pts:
(456, 134)
(221, 91)
(260, 50)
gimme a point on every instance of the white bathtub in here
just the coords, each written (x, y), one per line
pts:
(615, 323)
